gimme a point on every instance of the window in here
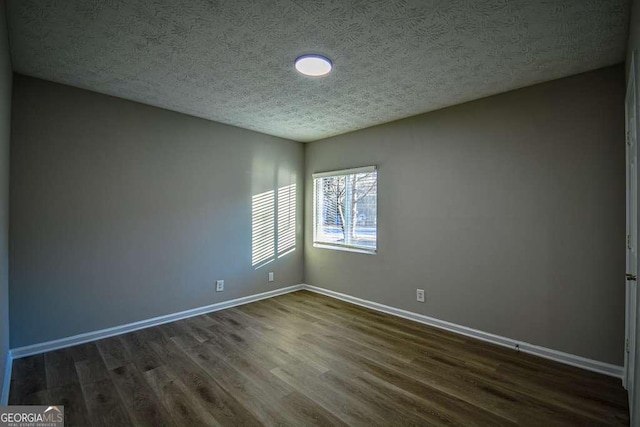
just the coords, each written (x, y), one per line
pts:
(345, 207)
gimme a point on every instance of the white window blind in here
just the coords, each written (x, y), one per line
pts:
(346, 209)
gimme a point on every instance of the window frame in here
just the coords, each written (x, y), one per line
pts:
(342, 246)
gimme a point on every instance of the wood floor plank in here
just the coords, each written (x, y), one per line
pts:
(482, 395)
(113, 352)
(387, 321)
(104, 404)
(308, 412)
(435, 410)
(179, 334)
(358, 332)
(86, 351)
(60, 368)
(388, 409)
(254, 394)
(269, 356)
(290, 345)
(199, 328)
(422, 409)
(487, 387)
(534, 394)
(306, 359)
(139, 347)
(339, 404)
(31, 367)
(91, 370)
(177, 400)
(545, 379)
(28, 377)
(70, 396)
(138, 397)
(35, 398)
(460, 379)
(250, 368)
(444, 403)
(203, 388)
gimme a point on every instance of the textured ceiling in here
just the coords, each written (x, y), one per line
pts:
(232, 61)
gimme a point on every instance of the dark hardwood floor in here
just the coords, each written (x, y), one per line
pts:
(305, 359)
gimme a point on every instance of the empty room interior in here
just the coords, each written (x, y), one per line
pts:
(305, 212)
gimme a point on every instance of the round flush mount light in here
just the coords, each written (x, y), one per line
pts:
(313, 65)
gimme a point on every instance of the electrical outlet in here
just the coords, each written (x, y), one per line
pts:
(219, 285)
(271, 276)
(420, 295)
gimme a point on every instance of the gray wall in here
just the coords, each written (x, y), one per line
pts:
(5, 121)
(122, 211)
(508, 211)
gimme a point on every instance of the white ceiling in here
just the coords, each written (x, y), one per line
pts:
(232, 60)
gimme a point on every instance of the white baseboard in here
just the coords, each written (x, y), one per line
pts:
(4, 393)
(130, 327)
(558, 356)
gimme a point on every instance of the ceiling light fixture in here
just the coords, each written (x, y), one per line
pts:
(313, 65)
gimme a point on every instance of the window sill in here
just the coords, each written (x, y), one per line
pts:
(345, 249)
